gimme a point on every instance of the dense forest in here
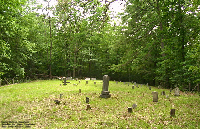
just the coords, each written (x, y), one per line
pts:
(156, 42)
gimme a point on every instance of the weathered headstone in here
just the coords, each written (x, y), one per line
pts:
(79, 81)
(116, 82)
(176, 92)
(95, 83)
(158, 87)
(134, 83)
(163, 93)
(76, 79)
(65, 81)
(13, 81)
(172, 112)
(155, 96)
(130, 110)
(87, 100)
(149, 88)
(170, 90)
(128, 84)
(79, 90)
(133, 87)
(93, 79)
(61, 96)
(134, 106)
(88, 107)
(86, 82)
(57, 101)
(137, 85)
(147, 84)
(105, 93)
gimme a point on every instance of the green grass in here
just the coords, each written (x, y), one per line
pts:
(34, 102)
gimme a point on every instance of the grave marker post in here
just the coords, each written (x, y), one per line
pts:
(155, 96)
(105, 93)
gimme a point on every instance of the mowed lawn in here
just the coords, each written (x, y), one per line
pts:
(33, 103)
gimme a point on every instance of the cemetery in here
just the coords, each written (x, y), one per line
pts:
(100, 64)
(106, 104)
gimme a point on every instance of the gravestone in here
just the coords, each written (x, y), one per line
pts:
(0, 82)
(57, 101)
(86, 82)
(130, 110)
(79, 90)
(61, 96)
(95, 83)
(149, 88)
(76, 79)
(147, 84)
(172, 112)
(116, 82)
(13, 81)
(133, 87)
(65, 81)
(93, 79)
(134, 106)
(105, 93)
(87, 100)
(134, 83)
(79, 81)
(170, 90)
(176, 92)
(163, 93)
(158, 87)
(155, 96)
(88, 107)
(128, 84)
(87, 78)
(137, 86)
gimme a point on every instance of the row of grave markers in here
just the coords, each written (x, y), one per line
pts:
(105, 93)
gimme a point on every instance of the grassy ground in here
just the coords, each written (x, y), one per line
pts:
(34, 103)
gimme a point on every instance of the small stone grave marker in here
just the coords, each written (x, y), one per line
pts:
(87, 100)
(105, 93)
(76, 79)
(128, 84)
(57, 101)
(133, 87)
(61, 96)
(155, 96)
(147, 84)
(176, 92)
(88, 107)
(86, 82)
(135, 83)
(79, 81)
(95, 83)
(87, 78)
(116, 82)
(158, 87)
(163, 93)
(172, 112)
(134, 106)
(79, 90)
(130, 110)
(149, 88)
(93, 79)
(65, 81)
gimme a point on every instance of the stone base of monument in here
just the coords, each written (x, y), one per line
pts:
(105, 94)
